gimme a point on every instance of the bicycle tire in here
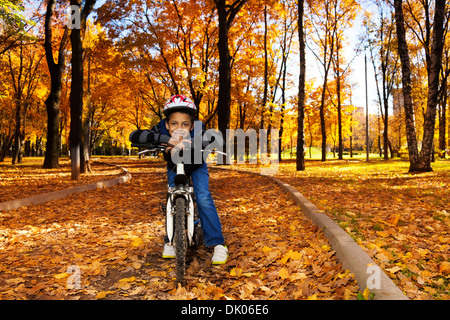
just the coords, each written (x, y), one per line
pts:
(180, 238)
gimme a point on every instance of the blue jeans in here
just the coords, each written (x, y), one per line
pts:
(212, 229)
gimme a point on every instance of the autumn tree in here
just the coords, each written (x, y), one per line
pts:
(383, 55)
(196, 48)
(6, 125)
(312, 129)
(443, 101)
(14, 25)
(406, 81)
(171, 47)
(324, 23)
(300, 163)
(421, 162)
(76, 93)
(56, 69)
(266, 68)
(260, 56)
(226, 15)
(328, 21)
(114, 108)
(25, 77)
(247, 61)
(289, 17)
(434, 71)
(341, 68)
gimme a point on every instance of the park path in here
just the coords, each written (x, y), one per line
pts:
(112, 238)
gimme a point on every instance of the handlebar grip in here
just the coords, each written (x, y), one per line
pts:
(143, 145)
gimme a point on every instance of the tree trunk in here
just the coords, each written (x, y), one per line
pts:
(76, 103)
(433, 87)
(351, 127)
(17, 147)
(224, 99)
(322, 118)
(53, 100)
(386, 116)
(76, 93)
(442, 117)
(18, 88)
(282, 112)
(266, 72)
(406, 82)
(226, 15)
(86, 152)
(53, 119)
(328, 52)
(301, 90)
(339, 106)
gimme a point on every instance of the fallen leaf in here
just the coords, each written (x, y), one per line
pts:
(18, 280)
(394, 219)
(103, 294)
(444, 267)
(123, 285)
(394, 269)
(295, 255)
(383, 234)
(61, 275)
(130, 279)
(283, 273)
(298, 276)
(343, 275)
(249, 274)
(236, 272)
(366, 293)
(137, 241)
(266, 249)
(348, 294)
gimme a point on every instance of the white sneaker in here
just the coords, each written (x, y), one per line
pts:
(168, 252)
(220, 255)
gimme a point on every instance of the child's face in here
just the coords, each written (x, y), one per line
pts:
(179, 125)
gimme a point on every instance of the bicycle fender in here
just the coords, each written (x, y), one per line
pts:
(169, 220)
(190, 222)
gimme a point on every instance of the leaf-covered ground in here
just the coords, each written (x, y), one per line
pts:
(114, 237)
(29, 179)
(401, 220)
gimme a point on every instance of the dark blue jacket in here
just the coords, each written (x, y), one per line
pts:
(159, 134)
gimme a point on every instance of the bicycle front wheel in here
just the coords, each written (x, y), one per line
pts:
(180, 238)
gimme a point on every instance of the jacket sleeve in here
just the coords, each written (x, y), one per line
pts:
(148, 136)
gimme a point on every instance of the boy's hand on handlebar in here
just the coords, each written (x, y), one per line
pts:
(176, 145)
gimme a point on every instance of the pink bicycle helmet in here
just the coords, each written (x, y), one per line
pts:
(179, 102)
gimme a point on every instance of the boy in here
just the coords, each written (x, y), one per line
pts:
(176, 131)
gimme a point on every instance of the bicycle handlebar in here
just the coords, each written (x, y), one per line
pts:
(160, 148)
(147, 145)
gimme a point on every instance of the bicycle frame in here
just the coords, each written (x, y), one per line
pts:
(181, 228)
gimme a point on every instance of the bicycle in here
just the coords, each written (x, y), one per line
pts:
(183, 226)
